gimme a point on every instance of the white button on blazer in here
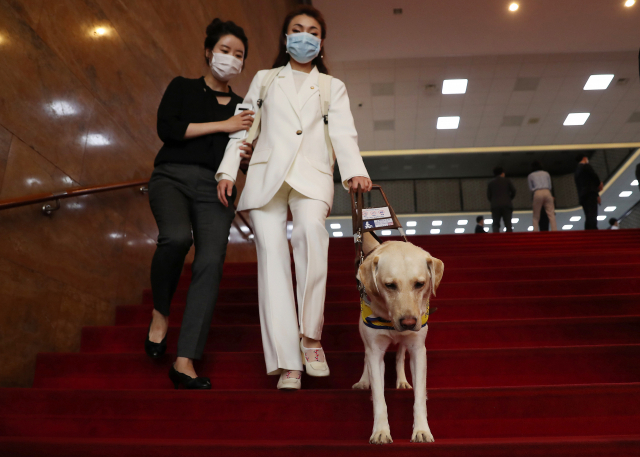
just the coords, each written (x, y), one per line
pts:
(291, 146)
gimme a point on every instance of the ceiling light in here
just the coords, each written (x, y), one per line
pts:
(459, 230)
(411, 232)
(436, 223)
(411, 223)
(100, 31)
(335, 226)
(448, 122)
(515, 220)
(576, 118)
(454, 86)
(609, 209)
(337, 234)
(96, 139)
(62, 108)
(386, 232)
(629, 3)
(602, 218)
(489, 221)
(530, 228)
(598, 82)
(626, 193)
(435, 231)
(567, 227)
(575, 218)
(463, 222)
(634, 182)
(514, 7)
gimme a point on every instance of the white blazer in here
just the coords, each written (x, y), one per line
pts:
(292, 146)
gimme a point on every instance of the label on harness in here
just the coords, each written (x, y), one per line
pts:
(375, 213)
(378, 223)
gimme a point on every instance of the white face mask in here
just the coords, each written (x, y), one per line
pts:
(224, 66)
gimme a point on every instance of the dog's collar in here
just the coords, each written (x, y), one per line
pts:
(378, 323)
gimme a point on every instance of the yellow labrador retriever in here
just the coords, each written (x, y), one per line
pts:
(399, 279)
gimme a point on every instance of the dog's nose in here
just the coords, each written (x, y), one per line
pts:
(408, 323)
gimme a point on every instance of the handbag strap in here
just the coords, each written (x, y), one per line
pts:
(254, 131)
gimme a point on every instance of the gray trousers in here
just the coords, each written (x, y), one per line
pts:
(183, 200)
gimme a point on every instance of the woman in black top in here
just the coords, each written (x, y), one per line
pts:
(195, 118)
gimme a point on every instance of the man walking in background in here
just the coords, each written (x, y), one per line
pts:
(589, 186)
(540, 184)
(500, 193)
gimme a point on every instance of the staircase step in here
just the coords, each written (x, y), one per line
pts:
(447, 310)
(446, 368)
(550, 411)
(442, 335)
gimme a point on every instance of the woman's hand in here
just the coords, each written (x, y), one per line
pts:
(365, 184)
(246, 151)
(242, 121)
(225, 188)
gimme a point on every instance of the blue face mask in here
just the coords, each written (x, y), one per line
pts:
(303, 47)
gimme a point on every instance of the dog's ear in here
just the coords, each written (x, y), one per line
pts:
(436, 270)
(368, 274)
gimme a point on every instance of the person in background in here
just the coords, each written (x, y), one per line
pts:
(195, 118)
(614, 224)
(589, 186)
(480, 224)
(544, 222)
(540, 184)
(500, 193)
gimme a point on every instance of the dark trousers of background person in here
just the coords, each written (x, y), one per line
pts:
(504, 213)
(590, 206)
(544, 221)
(183, 197)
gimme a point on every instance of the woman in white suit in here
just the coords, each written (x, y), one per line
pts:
(292, 166)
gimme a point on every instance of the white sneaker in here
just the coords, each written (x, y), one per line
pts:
(290, 380)
(314, 361)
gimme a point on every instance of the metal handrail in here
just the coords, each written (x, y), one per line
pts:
(629, 211)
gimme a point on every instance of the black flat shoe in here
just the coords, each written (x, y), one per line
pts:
(187, 382)
(155, 350)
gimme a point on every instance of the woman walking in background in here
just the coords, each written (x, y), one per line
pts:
(540, 184)
(293, 167)
(195, 118)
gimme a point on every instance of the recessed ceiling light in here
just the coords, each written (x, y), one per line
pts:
(459, 230)
(100, 31)
(435, 231)
(514, 7)
(629, 3)
(337, 234)
(335, 226)
(436, 223)
(96, 139)
(567, 227)
(448, 122)
(634, 182)
(609, 209)
(598, 82)
(576, 118)
(386, 232)
(575, 218)
(62, 108)
(515, 220)
(411, 232)
(602, 218)
(626, 193)
(530, 228)
(463, 222)
(454, 86)
(489, 221)
(411, 223)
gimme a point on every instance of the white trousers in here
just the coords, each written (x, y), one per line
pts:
(281, 329)
(542, 198)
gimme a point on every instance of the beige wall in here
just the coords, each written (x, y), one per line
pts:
(78, 109)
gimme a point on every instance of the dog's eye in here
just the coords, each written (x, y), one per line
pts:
(419, 285)
(391, 286)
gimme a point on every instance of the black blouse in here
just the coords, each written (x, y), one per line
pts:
(189, 101)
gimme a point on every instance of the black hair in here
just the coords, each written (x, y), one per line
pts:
(497, 171)
(612, 221)
(283, 57)
(479, 218)
(536, 166)
(581, 156)
(218, 29)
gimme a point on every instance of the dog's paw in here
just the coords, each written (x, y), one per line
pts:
(403, 385)
(361, 385)
(422, 436)
(381, 437)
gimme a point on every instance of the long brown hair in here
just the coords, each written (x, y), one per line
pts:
(283, 57)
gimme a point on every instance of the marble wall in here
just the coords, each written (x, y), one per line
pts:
(80, 83)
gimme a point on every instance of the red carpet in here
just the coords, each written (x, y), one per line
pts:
(533, 351)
